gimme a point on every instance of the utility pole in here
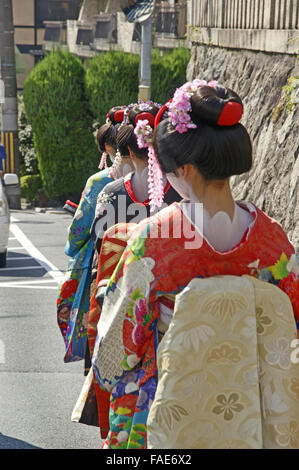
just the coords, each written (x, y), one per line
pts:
(145, 60)
(10, 105)
(141, 12)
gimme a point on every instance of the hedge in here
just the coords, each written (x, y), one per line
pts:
(58, 111)
(30, 185)
(112, 78)
(168, 73)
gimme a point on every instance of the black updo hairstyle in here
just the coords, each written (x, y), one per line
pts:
(116, 114)
(107, 135)
(217, 151)
(126, 137)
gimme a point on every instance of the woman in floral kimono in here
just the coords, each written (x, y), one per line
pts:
(74, 295)
(199, 147)
(124, 200)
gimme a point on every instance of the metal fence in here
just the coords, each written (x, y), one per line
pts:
(245, 14)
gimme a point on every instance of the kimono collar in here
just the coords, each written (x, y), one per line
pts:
(129, 189)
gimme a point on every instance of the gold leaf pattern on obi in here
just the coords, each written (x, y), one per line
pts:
(225, 305)
(262, 320)
(288, 434)
(228, 405)
(225, 353)
(191, 339)
(170, 414)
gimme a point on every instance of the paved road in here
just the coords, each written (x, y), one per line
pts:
(37, 389)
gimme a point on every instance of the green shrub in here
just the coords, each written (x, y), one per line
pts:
(30, 185)
(112, 78)
(168, 73)
(56, 107)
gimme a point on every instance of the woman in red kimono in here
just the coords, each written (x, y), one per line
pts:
(199, 147)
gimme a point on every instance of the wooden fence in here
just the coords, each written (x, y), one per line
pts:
(245, 14)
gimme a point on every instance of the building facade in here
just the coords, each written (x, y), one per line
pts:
(29, 21)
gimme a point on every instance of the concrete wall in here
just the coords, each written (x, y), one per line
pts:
(264, 25)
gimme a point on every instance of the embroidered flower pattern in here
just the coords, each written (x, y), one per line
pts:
(289, 434)
(279, 353)
(262, 320)
(104, 199)
(228, 406)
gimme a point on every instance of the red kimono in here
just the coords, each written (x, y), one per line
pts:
(152, 268)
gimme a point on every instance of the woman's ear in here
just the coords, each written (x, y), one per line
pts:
(186, 171)
(132, 155)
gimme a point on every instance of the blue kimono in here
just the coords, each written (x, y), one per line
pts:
(74, 293)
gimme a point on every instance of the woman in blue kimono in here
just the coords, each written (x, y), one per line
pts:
(74, 294)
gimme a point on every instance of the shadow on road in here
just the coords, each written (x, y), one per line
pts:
(12, 443)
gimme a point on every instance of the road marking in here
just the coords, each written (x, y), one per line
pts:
(53, 271)
(21, 268)
(12, 238)
(29, 287)
(15, 248)
(43, 281)
(32, 284)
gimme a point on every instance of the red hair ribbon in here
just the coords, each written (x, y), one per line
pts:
(150, 117)
(231, 114)
(160, 114)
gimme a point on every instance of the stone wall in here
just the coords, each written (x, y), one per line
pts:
(273, 182)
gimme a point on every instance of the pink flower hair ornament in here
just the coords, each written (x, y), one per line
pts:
(179, 107)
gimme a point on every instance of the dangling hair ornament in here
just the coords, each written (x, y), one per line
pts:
(115, 166)
(155, 180)
(103, 162)
(144, 134)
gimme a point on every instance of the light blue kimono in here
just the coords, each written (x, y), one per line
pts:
(79, 246)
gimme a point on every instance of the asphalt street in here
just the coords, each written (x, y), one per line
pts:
(37, 389)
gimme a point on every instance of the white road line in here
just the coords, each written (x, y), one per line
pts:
(16, 286)
(54, 272)
(12, 238)
(32, 281)
(22, 268)
(15, 248)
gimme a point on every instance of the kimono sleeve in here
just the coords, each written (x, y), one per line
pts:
(126, 329)
(285, 274)
(78, 232)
